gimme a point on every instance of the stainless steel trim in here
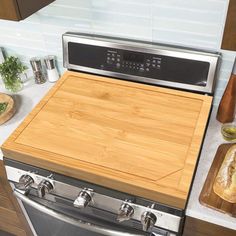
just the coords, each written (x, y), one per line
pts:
(50, 62)
(25, 213)
(36, 64)
(210, 57)
(143, 79)
(164, 220)
(79, 223)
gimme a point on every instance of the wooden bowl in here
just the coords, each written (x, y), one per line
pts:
(9, 112)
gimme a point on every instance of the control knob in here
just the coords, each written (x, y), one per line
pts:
(125, 212)
(118, 65)
(44, 187)
(84, 198)
(148, 220)
(25, 182)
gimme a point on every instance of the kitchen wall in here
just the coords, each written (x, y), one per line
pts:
(183, 22)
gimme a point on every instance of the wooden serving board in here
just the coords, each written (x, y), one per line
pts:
(9, 112)
(131, 137)
(208, 197)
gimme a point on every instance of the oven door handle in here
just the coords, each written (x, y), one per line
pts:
(79, 223)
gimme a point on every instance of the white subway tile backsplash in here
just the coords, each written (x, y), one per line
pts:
(127, 9)
(182, 12)
(73, 3)
(192, 4)
(193, 23)
(184, 39)
(65, 12)
(191, 27)
(189, 23)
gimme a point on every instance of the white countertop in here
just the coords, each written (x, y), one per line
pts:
(212, 140)
(25, 101)
(31, 95)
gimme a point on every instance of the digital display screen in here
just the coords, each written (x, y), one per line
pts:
(133, 57)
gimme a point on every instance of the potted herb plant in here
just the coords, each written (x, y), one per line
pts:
(11, 70)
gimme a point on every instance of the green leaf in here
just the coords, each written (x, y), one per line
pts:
(12, 67)
(10, 70)
(3, 107)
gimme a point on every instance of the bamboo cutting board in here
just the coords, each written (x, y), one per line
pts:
(208, 197)
(131, 137)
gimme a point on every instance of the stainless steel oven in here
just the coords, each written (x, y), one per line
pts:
(56, 205)
(60, 205)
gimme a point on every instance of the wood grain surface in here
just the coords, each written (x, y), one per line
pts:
(229, 42)
(20, 9)
(10, 109)
(135, 138)
(208, 197)
(196, 227)
(28, 7)
(9, 10)
(12, 219)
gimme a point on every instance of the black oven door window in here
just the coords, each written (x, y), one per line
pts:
(44, 224)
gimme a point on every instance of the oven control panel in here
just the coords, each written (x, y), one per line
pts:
(146, 215)
(142, 62)
(125, 62)
(132, 62)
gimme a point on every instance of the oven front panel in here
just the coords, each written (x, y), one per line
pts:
(152, 66)
(141, 61)
(102, 210)
(46, 224)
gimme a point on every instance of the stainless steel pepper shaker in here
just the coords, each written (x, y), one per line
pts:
(52, 72)
(37, 70)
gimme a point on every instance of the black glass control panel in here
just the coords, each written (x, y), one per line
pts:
(152, 66)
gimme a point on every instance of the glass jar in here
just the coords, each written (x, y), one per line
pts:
(228, 131)
(13, 85)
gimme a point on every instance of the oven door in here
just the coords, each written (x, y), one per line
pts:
(55, 216)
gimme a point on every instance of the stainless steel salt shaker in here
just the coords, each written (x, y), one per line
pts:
(52, 72)
(37, 70)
